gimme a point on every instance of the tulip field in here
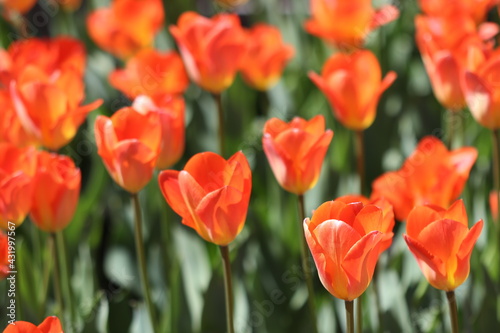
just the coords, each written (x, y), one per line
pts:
(249, 166)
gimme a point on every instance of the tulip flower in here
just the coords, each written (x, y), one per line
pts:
(56, 192)
(49, 325)
(128, 144)
(17, 167)
(20, 6)
(170, 112)
(296, 151)
(476, 9)
(212, 49)
(4, 255)
(431, 175)
(353, 84)
(210, 194)
(442, 243)
(493, 199)
(150, 73)
(345, 243)
(266, 56)
(347, 23)
(126, 27)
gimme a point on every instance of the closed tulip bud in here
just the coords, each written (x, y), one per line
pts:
(210, 194)
(296, 151)
(442, 243)
(56, 192)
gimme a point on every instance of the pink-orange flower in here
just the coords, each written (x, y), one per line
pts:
(170, 112)
(353, 83)
(212, 49)
(345, 243)
(4, 255)
(56, 184)
(347, 23)
(266, 56)
(210, 194)
(127, 26)
(17, 167)
(442, 243)
(150, 73)
(296, 151)
(431, 175)
(49, 325)
(128, 144)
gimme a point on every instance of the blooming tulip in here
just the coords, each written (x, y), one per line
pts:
(266, 56)
(128, 144)
(347, 23)
(4, 255)
(210, 194)
(353, 84)
(56, 191)
(170, 112)
(126, 27)
(151, 72)
(17, 167)
(49, 325)
(296, 151)
(345, 243)
(442, 243)
(431, 175)
(212, 49)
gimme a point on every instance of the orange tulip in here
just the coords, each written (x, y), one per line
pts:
(17, 167)
(476, 9)
(345, 243)
(493, 199)
(126, 27)
(266, 56)
(21, 6)
(210, 194)
(49, 325)
(151, 72)
(442, 243)
(431, 175)
(56, 192)
(347, 23)
(4, 255)
(353, 84)
(170, 112)
(128, 144)
(296, 151)
(212, 49)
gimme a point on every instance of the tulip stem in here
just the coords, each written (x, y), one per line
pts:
(139, 248)
(228, 287)
(452, 302)
(61, 250)
(220, 112)
(360, 160)
(57, 276)
(349, 312)
(305, 261)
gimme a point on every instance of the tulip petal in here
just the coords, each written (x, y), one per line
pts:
(169, 186)
(22, 327)
(424, 257)
(419, 218)
(478, 97)
(51, 325)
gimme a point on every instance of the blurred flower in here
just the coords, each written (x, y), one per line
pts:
(11, 129)
(20, 6)
(210, 194)
(128, 144)
(296, 151)
(431, 175)
(17, 168)
(266, 56)
(347, 23)
(353, 84)
(56, 191)
(476, 9)
(170, 112)
(482, 91)
(212, 49)
(4, 255)
(494, 205)
(345, 243)
(442, 243)
(70, 5)
(151, 72)
(49, 325)
(126, 27)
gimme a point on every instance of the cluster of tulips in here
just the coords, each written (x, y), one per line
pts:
(42, 94)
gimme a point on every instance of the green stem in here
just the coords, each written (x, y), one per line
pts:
(57, 274)
(61, 250)
(349, 312)
(360, 160)
(220, 112)
(228, 287)
(139, 248)
(305, 262)
(452, 302)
